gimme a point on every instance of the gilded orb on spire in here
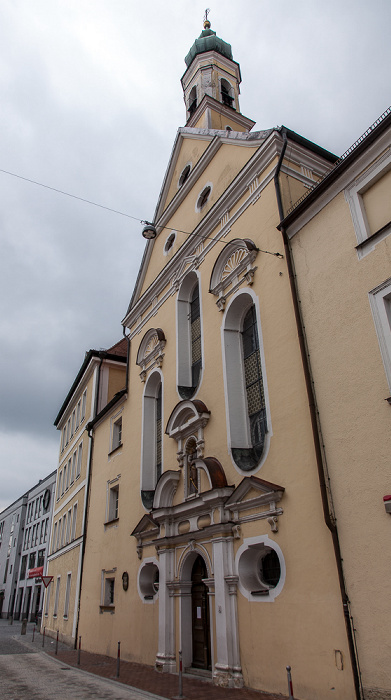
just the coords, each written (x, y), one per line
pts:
(206, 21)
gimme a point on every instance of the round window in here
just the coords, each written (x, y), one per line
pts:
(149, 580)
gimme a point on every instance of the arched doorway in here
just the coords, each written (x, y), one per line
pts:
(200, 616)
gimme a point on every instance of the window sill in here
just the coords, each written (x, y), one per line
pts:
(107, 608)
(65, 617)
(111, 522)
(115, 449)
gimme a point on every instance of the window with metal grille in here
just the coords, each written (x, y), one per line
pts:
(254, 383)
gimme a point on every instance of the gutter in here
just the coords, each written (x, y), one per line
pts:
(324, 490)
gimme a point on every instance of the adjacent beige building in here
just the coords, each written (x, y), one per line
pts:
(339, 240)
(100, 378)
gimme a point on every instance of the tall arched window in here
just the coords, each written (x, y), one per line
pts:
(226, 93)
(151, 449)
(245, 386)
(189, 336)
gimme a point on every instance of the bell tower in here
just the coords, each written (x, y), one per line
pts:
(211, 84)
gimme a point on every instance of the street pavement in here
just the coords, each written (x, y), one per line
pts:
(28, 673)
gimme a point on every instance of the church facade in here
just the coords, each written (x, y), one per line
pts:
(207, 526)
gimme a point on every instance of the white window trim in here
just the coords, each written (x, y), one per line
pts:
(236, 410)
(353, 195)
(113, 484)
(273, 592)
(67, 594)
(146, 562)
(57, 596)
(183, 332)
(377, 300)
(197, 208)
(113, 425)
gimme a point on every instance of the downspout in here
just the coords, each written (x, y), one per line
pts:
(88, 489)
(328, 517)
(127, 358)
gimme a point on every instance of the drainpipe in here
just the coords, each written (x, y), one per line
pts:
(127, 359)
(88, 489)
(328, 517)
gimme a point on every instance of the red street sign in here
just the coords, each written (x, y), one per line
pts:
(38, 571)
(46, 580)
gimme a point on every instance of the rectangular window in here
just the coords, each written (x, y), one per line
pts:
(117, 434)
(380, 300)
(79, 455)
(57, 596)
(63, 529)
(113, 503)
(68, 430)
(63, 438)
(73, 470)
(109, 591)
(64, 480)
(83, 405)
(73, 422)
(58, 542)
(67, 595)
(6, 570)
(41, 531)
(68, 533)
(45, 536)
(32, 560)
(59, 485)
(41, 557)
(54, 543)
(74, 522)
(23, 567)
(78, 413)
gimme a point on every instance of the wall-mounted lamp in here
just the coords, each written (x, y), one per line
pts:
(149, 231)
(387, 503)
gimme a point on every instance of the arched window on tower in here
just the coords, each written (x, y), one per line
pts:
(151, 449)
(247, 410)
(189, 337)
(192, 100)
(226, 93)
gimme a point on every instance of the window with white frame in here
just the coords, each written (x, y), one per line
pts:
(59, 485)
(68, 532)
(54, 541)
(116, 437)
(152, 436)
(68, 430)
(74, 522)
(261, 569)
(64, 479)
(189, 340)
(73, 422)
(112, 500)
(108, 588)
(73, 468)
(67, 595)
(78, 413)
(245, 383)
(57, 596)
(83, 405)
(370, 203)
(148, 581)
(380, 300)
(79, 456)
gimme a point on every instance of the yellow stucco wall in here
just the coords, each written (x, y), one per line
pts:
(351, 386)
(304, 626)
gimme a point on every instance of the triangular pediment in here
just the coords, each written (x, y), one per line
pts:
(252, 492)
(146, 526)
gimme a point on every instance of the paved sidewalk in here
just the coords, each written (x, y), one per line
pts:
(137, 676)
(147, 679)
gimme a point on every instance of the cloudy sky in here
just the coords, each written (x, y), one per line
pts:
(90, 104)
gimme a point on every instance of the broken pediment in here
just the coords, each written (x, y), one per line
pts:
(233, 267)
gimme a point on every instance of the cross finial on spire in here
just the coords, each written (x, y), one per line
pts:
(206, 21)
